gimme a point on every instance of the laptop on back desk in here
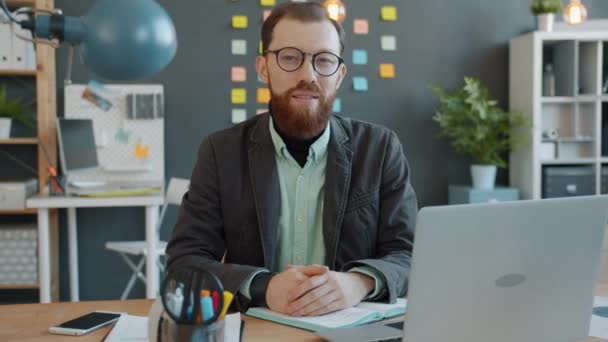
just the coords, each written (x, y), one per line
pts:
(79, 161)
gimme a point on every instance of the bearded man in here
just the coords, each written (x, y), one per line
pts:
(297, 209)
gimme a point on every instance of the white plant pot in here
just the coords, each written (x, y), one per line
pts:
(5, 128)
(545, 22)
(483, 176)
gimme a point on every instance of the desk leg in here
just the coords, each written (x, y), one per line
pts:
(44, 255)
(151, 256)
(73, 251)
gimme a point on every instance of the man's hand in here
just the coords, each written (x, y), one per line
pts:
(327, 292)
(291, 278)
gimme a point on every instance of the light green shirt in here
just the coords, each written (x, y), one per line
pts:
(300, 233)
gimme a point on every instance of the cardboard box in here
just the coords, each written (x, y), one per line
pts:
(13, 194)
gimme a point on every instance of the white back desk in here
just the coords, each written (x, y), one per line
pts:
(45, 202)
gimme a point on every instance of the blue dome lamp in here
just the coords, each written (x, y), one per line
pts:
(119, 40)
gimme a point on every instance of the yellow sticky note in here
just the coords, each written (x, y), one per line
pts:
(388, 13)
(268, 2)
(238, 95)
(260, 47)
(387, 70)
(263, 95)
(142, 151)
(239, 21)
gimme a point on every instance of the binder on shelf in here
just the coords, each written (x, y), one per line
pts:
(6, 42)
(24, 55)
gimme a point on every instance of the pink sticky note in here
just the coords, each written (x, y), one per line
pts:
(261, 110)
(361, 26)
(238, 74)
(265, 15)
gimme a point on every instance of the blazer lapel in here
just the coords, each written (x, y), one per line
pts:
(265, 185)
(337, 184)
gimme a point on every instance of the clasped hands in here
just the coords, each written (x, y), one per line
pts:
(314, 290)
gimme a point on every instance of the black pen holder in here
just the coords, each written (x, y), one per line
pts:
(162, 328)
(171, 331)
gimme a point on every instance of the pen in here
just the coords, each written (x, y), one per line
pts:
(216, 300)
(207, 308)
(203, 294)
(227, 299)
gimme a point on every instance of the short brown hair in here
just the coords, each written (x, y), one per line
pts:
(302, 11)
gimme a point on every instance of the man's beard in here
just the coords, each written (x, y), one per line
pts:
(299, 121)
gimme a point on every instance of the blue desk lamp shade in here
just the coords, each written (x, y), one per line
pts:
(119, 39)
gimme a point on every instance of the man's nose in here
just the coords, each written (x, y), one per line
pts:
(307, 71)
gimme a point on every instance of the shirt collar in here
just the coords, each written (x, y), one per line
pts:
(317, 149)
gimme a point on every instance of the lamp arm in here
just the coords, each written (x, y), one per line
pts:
(55, 25)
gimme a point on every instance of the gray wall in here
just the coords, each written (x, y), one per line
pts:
(438, 41)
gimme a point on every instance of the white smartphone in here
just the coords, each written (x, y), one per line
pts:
(85, 324)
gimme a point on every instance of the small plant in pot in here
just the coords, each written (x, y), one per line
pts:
(477, 127)
(545, 10)
(10, 110)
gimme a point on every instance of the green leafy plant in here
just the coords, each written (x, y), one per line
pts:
(545, 6)
(15, 109)
(475, 123)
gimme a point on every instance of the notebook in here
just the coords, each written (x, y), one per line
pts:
(365, 312)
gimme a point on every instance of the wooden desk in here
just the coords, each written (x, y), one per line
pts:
(29, 322)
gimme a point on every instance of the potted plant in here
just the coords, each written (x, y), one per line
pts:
(12, 110)
(478, 128)
(545, 10)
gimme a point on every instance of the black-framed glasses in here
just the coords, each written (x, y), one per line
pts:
(291, 59)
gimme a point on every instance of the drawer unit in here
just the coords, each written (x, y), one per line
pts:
(14, 193)
(564, 181)
(462, 194)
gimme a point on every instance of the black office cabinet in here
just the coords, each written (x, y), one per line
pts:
(565, 181)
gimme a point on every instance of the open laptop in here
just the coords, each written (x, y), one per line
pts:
(501, 272)
(79, 162)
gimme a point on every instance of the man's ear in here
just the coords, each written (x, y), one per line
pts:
(261, 68)
(341, 74)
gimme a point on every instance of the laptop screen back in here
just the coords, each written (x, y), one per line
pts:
(512, 271)
(76, 144)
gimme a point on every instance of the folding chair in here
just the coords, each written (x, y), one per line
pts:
(175, 191)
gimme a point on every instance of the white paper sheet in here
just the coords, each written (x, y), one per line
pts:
(135, 329)
(599, 325)
(232, 330)
(129, 328)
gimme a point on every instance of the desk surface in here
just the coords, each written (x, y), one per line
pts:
(46, 201)
(29, 322)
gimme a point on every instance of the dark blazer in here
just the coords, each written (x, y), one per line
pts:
(232, 207)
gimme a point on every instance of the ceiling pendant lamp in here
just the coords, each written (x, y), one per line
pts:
(335, 10)
(575, 12)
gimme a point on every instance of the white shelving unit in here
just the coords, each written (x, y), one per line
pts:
(577, 111)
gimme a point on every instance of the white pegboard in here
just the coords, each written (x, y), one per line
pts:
(117, 157)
